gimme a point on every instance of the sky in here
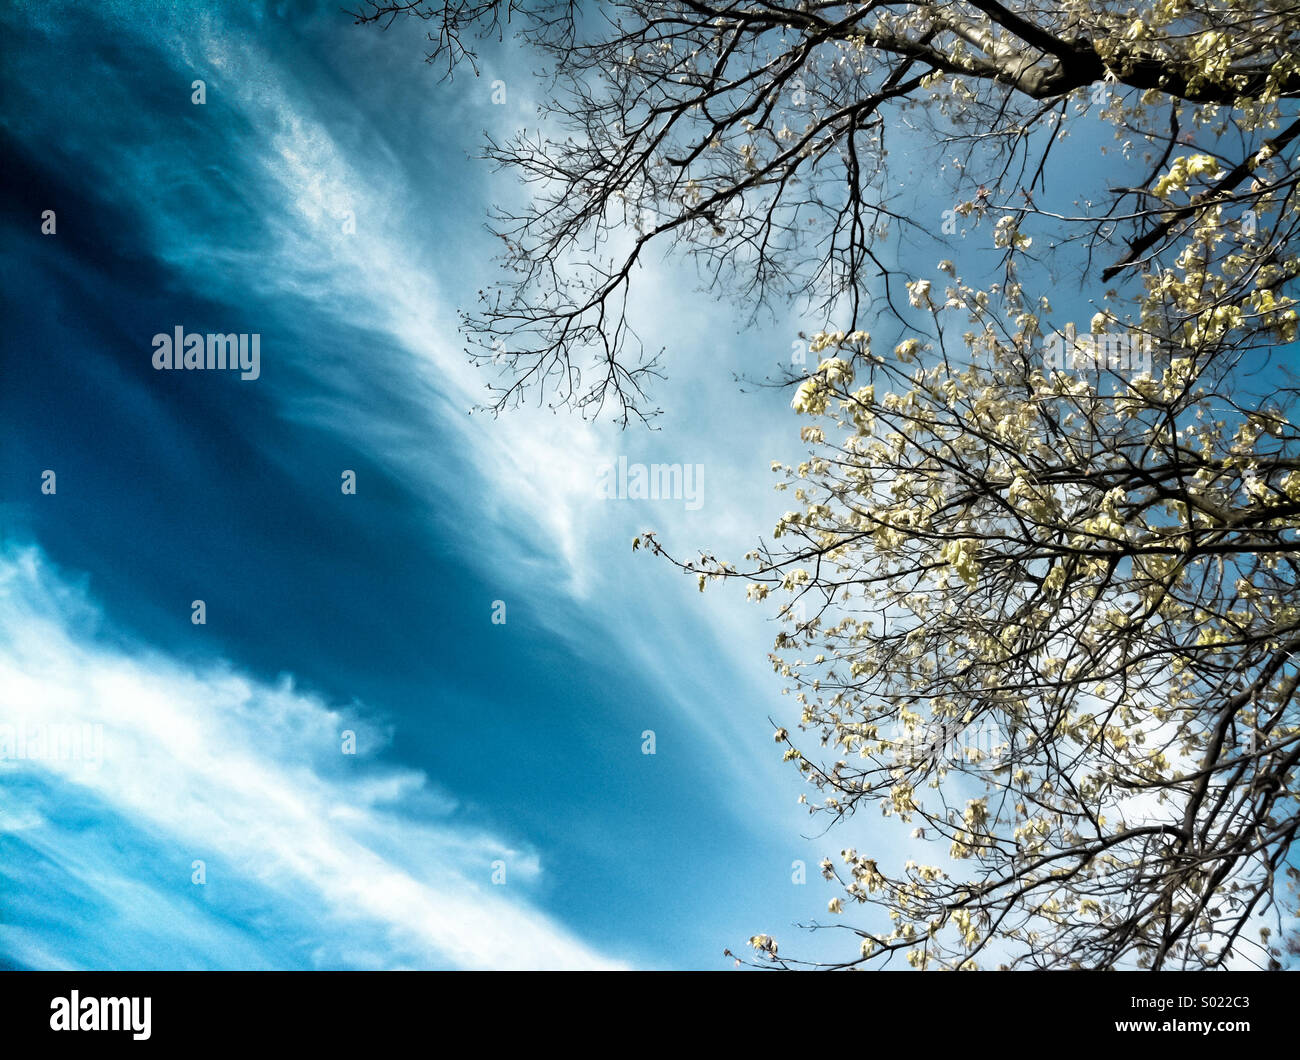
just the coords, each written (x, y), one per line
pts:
(349, 764)
(498, 811)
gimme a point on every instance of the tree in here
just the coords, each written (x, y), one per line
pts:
(1069, 557)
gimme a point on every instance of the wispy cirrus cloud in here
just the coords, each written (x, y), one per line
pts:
(249, 778)
(242, 205)
(531, 474)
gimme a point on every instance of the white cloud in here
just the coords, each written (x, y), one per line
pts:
(300, 162)
(250, 777)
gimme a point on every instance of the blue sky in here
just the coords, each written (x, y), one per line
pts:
(477, 743)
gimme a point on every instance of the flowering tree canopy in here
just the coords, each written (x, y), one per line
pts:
(1040, 583)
